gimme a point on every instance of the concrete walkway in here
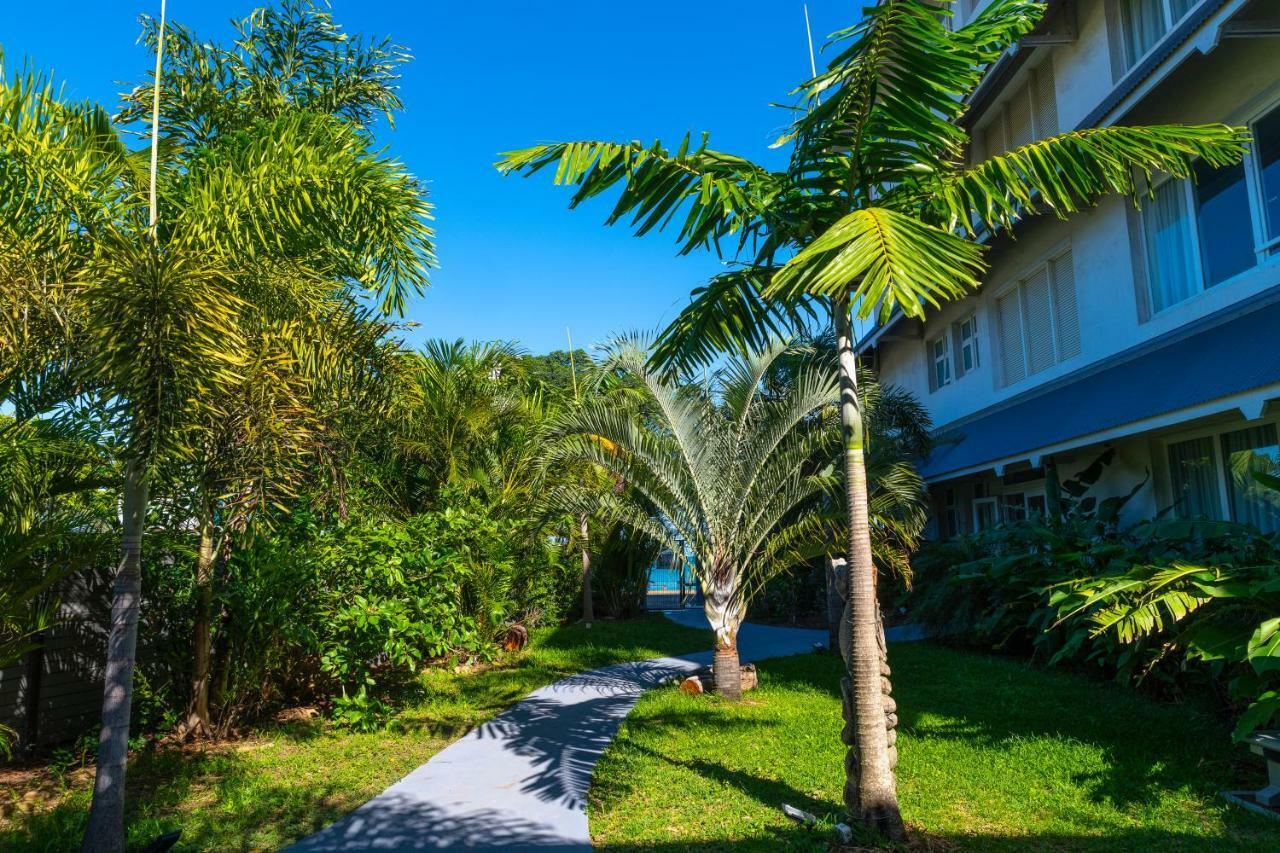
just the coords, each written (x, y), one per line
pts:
(519, 782)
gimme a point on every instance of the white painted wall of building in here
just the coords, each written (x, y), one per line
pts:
(1237, 78)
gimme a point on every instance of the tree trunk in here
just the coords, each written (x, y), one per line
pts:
(105, 830)
(198, 719)
(726, 670)
(837, 572)
(588, 610)
(870, 792)
(725, 612)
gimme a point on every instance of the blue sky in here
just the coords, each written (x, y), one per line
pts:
(516, 263)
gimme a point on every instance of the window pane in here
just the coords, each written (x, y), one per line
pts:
(1143, 25)
(1245, 451)
(1226, 229)
(1181, 7)
(1194, 480)
(1267, 150)
(1168, 246)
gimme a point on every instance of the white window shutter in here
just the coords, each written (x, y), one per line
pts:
(993, 138)
(1064, 306)
(1019, 113)
(1037, 321)
(1012, 359)
(1046, 101)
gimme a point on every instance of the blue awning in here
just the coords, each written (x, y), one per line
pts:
(1226, 354)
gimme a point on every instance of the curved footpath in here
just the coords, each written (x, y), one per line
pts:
(519, 781)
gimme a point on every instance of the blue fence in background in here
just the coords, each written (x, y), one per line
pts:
(672, 589)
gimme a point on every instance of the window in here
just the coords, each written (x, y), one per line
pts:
(1202, 471)
(965, 337)
(1243, 452)
(1266, 132)
(1201, 233)
(1145, 22)
(1013, 508)
(1226, 230)
(1039, 325)
(1031, 113)
(1192, 479)
(940, 359)
(950, 516)
(984, 514)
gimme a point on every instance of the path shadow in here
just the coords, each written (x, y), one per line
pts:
(403, 823)
(564, 728)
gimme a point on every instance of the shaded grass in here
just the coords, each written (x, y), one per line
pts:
(995, 756)
(286, 781)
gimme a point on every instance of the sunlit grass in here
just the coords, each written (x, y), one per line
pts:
(995, 756)
(289, 780)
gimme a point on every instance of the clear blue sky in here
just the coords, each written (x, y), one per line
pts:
(490, 76)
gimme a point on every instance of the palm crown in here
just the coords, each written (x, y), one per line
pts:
(877, 202)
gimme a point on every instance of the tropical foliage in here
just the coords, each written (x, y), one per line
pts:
(875, 213)
(1175, 606)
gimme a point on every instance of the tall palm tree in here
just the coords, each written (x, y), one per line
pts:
(727, 471)
(160, 272)
(875, 212)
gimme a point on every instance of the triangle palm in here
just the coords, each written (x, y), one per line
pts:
(875, 212)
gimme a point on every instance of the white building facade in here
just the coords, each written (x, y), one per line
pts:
(1151, 333)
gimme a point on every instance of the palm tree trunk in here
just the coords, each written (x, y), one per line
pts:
(726, 669)
(870, 792)
(835, 571)
(198, 720)
(588, 610)
(105, 830)
(725, 613)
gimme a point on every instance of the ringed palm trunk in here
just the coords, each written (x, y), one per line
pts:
(870, 792)
(105, 830)
(198, 719)
(725, 611)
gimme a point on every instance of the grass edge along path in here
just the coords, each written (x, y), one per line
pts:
(996, 756)
(285, 781)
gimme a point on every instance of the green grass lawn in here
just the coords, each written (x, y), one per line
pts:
(289, 780)
(995, 756)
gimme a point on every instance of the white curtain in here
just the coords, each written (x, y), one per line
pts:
(1144, 23)
(1245, 451)
(1194, 480)
(1170, 263)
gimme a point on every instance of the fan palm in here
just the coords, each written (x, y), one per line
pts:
(875, 212)
(726, 472)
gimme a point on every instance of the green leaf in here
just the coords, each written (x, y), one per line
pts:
(1264, 647)
(1258, 715)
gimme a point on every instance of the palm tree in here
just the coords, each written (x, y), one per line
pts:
(875, 212)
(727, 471)
(162, 274)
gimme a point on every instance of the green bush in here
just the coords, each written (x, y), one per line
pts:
(1172, 605)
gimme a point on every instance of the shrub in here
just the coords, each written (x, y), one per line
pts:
(1172, 605)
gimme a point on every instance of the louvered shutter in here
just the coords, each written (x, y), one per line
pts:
(1037, 322)
(1008, 316)
(993, 139)
(1019, 116)
(1046, 101)
(1064, 306)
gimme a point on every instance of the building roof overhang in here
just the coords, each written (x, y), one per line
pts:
(1227, 360)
